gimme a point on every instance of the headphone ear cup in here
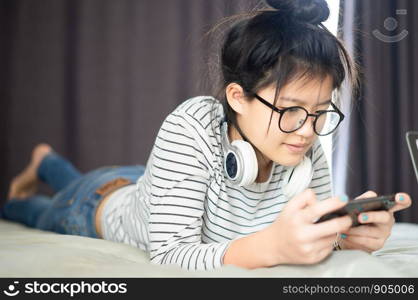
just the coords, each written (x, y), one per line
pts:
(249, 165)
(298, 178)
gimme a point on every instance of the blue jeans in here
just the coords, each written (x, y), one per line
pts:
(72, 208)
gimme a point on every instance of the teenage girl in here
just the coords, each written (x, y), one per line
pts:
(239, 178)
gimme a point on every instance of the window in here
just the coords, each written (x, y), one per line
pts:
(332, 25)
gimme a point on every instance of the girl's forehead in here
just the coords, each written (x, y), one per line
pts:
(303, 92)
(309, 84)
(304, 84)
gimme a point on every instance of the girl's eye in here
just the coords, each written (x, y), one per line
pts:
(293, 109)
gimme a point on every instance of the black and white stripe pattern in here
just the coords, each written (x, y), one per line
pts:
(183, 210)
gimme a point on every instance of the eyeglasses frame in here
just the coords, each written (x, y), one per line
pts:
(319, 112)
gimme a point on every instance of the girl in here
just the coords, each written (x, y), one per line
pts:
(240, 180)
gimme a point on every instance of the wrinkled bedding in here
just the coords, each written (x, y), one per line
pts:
(27, 252)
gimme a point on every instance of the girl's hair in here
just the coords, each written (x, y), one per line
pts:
(283, 41)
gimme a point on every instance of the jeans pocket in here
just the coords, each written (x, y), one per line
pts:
(83, 216)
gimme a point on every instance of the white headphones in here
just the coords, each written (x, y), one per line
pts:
(241, 167)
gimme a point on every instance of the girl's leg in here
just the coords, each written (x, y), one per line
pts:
(57, 171)
(73, 209)
(23, 205)
(45, 165)
(26, 211)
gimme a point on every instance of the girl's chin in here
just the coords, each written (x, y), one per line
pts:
(289, 160)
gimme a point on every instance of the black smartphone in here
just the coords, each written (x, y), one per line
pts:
(356, 206)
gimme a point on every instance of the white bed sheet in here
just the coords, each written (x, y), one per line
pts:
(27, 252)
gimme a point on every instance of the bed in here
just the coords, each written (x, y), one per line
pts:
(27, 252)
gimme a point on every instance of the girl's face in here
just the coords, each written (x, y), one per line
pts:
(285, 149)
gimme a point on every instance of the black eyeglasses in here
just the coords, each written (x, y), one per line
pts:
(294, 117)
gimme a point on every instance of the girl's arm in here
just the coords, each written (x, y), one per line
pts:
(179, 184)
(293, 238)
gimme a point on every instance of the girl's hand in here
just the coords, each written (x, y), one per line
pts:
(294, 238)
(377, 226)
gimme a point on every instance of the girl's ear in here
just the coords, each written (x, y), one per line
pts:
(236, 97)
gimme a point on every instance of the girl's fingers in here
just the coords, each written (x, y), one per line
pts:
(325, 242)
(367, 194)
(403, 201)
(347, 245)
(302, 200)
(330, 227)
(323, 247)
(324, 252)
(379, 217)
(364, 230)
(316, 210)
(363, 243)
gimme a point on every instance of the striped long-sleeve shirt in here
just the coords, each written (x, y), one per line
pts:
(183, 210)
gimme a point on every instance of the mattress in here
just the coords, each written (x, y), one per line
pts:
(28, 252)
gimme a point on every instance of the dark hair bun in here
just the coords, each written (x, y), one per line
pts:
(309, 11)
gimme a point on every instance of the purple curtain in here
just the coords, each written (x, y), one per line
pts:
(371, 150)
(96, 78)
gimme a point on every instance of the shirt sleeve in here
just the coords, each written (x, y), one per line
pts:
(180, 180)
(321, 180)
